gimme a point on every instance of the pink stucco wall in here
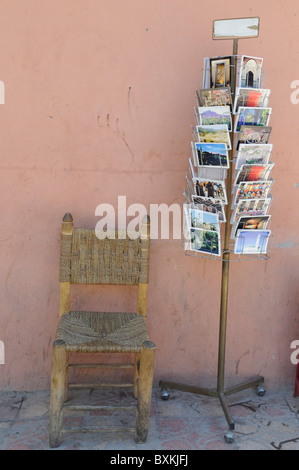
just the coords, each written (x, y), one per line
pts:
(99, 98)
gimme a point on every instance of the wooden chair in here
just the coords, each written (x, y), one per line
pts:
(86, 258)
(296, 389)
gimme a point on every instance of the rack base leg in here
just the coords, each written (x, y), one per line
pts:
(254, 382)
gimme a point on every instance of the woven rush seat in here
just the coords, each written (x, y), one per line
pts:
(102, 332)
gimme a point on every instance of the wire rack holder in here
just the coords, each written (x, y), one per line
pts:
(221, 392)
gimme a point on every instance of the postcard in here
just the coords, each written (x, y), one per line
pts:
(186, 225)
(252, 190)
(250, 223)
(251, 97)
(250, 154)
(252, 117)
(187, 196)
(254, 135)
(211, 155)
(220, 71)
(253, 173)
(206, 172)
(205, 241)
(212, 173)
(194, 132)
(208, 204)
(191, 164)
(211, 188)
(189, 184)
(206, 73)
(214, 115)
(250, 72)
(215, 133)
(251, 207)
(252, 241)
(203, 220)
(214, 97)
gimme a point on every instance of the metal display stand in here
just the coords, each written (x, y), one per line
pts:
(221, 392)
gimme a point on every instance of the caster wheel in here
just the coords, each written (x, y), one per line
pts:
(261, 391)
(165, 394)
(229, 437)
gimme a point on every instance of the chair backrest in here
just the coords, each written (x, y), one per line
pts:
(88, 258)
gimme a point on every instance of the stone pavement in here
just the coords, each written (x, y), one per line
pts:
(184, 422)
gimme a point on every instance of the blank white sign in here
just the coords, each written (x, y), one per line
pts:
(236, 28)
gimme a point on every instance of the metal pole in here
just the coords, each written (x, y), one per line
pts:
(226, 254)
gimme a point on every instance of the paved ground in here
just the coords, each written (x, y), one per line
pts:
(185, 422)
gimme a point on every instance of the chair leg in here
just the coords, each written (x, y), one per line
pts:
(145, 383)
(296, 390)
(66, 384)
(58, 392)
(136, 374)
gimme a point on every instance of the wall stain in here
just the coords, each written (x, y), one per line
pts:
(129, 105)
(238, 361)
(116, 132)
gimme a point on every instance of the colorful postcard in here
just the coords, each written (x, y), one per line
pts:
(250, 223)
(252, 154)
(253, 173)
(211, 188)
(250, 72)
(203, 220)
(252, 190)
(211, 155)
(251, 207)
(205, 241)
(214, 134)
(214, 115)
(252, 117)
(254, 135)
(214, 97)
(211, 205)
(252, 241)
(220, 71)
(251, 97)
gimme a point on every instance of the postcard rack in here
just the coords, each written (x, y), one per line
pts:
(250, 27)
